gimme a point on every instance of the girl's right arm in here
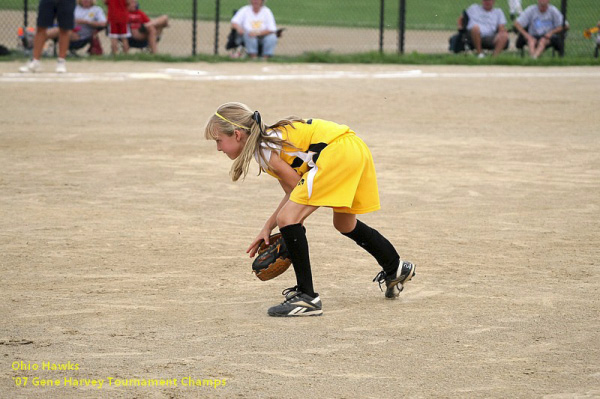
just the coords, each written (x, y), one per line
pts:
(288, 178)
(270, 224)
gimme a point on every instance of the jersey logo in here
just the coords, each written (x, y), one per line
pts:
(316, 148)
(297, 162)
(300, 183)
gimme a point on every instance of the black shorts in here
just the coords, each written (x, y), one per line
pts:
(61, 10)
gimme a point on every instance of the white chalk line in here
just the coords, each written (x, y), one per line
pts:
(173, 74)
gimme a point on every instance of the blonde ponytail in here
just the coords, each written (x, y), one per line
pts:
(237, 116)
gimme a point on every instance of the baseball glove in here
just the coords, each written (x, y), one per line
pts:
(272, 259)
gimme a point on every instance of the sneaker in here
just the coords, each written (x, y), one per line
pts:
(394, 284)
(31, 67)
(481, 55)
(61, 66)
(296, 304)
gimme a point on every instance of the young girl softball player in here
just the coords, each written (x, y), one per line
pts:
(317, 163)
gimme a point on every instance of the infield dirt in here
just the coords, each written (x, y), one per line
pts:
(123, 239)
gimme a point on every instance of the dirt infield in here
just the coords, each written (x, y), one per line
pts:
(122, 239)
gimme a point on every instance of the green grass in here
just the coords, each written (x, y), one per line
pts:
(421, 14)
(506, 59)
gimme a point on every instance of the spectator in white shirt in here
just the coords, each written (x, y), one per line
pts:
(486, 27)
(543, 22)
(255, 23)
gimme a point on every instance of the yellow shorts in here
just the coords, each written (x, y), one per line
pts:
(343, 178)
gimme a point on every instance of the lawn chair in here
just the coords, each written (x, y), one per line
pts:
(557, 43)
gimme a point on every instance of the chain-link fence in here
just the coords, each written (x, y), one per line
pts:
(348, 26)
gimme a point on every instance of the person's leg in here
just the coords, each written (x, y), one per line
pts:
(500, 41)
(541, 46)
(289, 220)
(66, 22)
(160, 23)
(52, 33)
(269, 43)
(125, 45)
(369, 239)
(396, 272)
(532, 44)
(114, 45)
(476, 38)
(152, 39)
(251, 44)
(38, 42)
(300, 300)
(63, 42)
(45, 20)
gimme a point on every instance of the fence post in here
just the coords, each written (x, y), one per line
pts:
(194, 26)
(217, 17)
(381, 24)
(563, 9)
(25, 14)
(401, 25)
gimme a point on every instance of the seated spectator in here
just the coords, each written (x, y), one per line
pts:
(539, 26)
(144, 29)
(88, 19)
(255, 24)
(486, 27)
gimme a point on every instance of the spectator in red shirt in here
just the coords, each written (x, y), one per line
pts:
(143, 28)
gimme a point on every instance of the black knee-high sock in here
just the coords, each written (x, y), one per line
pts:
(295, 239)
(377, 245)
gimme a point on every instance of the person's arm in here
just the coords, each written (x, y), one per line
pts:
(558, 19)
(238, 28)
(521, 30)
(93, 24)
(146, 21)
(238, 20)
(98, 19)
(459, 22)
(554, 31)
(270, 25)
(288, 179)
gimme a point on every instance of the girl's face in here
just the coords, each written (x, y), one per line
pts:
(232, 145)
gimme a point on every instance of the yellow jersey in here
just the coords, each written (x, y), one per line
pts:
(336, 166)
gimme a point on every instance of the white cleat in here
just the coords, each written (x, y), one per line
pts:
(61, 66)
(31, 67)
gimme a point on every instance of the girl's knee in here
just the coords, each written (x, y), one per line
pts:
(287, 218)
(283, 220)
(344, 223)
